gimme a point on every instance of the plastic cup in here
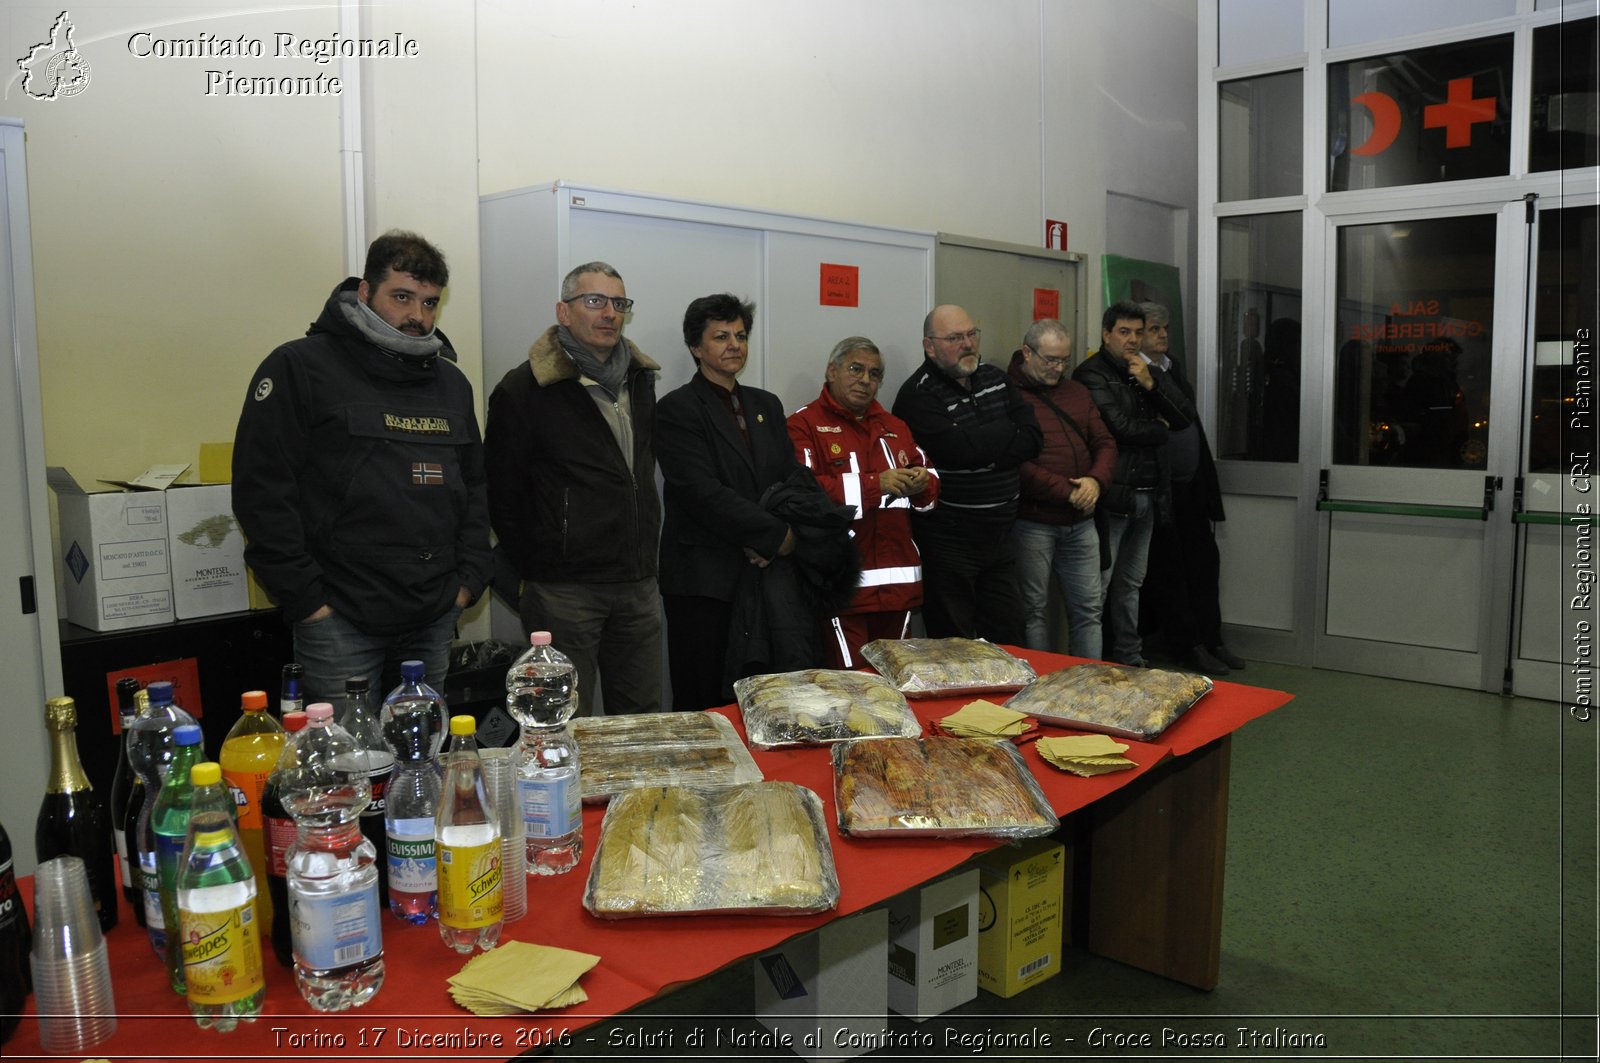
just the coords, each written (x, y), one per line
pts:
(71, 972)
(500, 779)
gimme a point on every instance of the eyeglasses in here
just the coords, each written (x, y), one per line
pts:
(1053, 363)
(956, 337)
(856, 369)
(595, 301)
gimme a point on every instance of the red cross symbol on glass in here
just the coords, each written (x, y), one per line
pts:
(1458, 113)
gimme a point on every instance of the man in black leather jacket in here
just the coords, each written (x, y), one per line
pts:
(1139, 405)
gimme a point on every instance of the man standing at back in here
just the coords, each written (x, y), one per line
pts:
(865, 457)
(976, 430)
(1055, 529)
(358, 477)
(1139, 407)
(572, 491)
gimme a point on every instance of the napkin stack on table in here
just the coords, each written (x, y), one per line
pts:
(518, 977)
(985, 719)
(1086, 754)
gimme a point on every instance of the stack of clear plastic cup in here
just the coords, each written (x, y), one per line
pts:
(500, 779)
(71, 973)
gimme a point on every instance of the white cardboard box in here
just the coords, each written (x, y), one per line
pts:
(116, 572)
(817, 989)
(207, 551)
(933, 946)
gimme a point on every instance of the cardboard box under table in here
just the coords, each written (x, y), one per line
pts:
(1021, 913)
(817, 988)
(933, 946)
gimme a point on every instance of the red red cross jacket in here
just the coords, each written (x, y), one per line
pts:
(846, 455)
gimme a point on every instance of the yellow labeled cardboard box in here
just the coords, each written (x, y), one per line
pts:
(1021, 912)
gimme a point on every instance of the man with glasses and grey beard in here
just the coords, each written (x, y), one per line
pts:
(977, 431)
(864, 457)
(572, 491)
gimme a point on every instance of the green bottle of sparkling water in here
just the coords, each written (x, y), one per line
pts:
(216, 911)
(169, 819)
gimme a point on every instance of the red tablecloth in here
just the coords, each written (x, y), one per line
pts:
(640, 958)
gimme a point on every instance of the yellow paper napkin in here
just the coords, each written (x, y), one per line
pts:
(519, 976)
(985, 719)
(1085, 755)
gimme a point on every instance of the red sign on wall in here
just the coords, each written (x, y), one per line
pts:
(1046, 303)
(840, 285)
(1055, 234)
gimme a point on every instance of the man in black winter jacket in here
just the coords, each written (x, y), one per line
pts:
(1139, 406)
(358, 477)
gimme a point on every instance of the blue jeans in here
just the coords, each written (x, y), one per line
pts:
(1073, 552)
(1130, 551)
(332, 650)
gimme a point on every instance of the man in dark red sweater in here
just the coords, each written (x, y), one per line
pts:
(1055, 529)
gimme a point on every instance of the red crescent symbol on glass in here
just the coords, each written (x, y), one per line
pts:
(1385, 122)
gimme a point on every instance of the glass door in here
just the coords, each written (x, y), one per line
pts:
(1425, 315)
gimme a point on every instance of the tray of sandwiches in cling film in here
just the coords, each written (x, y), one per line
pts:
(816, 706)
(939, 668)
(939, 787)
(1137, 703)
(619, 753)
(758, 848)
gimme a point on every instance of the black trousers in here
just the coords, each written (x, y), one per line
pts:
(697, 647)
(1181, 587)
(969, 580)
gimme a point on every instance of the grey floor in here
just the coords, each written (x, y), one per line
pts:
(1411, 874)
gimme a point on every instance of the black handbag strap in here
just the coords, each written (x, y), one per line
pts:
(1065, 416)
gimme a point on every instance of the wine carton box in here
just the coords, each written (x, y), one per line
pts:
(818, 989)
(1021, 912)
(116, 571)
(207, 551)
(933, 946)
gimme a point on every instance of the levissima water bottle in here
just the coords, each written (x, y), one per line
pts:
(150, 749)
(411, 803)
(333, 883)
(217, 922)
(467, 838)
(541, 695)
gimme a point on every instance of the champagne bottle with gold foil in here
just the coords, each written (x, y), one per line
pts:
(70, 822)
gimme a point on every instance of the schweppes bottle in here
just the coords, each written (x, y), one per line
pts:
(216, 911)
(467, 847)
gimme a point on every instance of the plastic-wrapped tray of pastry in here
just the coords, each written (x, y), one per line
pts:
(617, 753)
(1137, 703)
(938, 786)
(819, 705)
(759, 848)
(933, 668)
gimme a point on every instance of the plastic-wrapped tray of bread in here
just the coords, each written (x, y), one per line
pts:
(817, 705)
(617, 753)
(933, 668)
(1136, 703)
(943, 787)
(758, 848)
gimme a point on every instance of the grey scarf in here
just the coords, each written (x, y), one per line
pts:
(385, 336)
(609, 374)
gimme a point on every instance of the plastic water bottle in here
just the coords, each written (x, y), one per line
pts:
(151, 746)
(467, 844)
(216, 911)
(541, 695)
(333, 883)
(249, 754)
(415, 697)
(376, 760)
(170, 821)
(411, 805)
(278, 831)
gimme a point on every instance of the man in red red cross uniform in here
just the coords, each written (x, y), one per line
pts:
(864, 456)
